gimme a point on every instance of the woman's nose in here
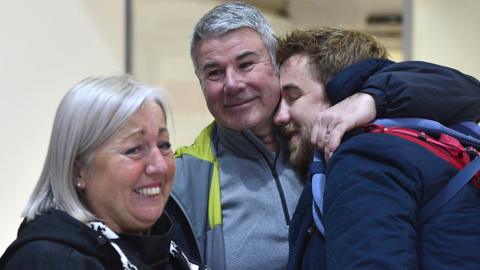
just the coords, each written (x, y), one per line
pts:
(156, 162)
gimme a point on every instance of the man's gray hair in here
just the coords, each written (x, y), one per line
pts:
(88, 115)
(228, 17)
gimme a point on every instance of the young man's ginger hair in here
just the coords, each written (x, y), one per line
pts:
(330, 49)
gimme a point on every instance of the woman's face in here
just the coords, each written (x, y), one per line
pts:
(130, 177)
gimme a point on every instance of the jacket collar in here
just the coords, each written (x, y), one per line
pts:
(246, 144)
(153, 247)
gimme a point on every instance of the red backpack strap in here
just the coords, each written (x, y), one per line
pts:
(446, 147)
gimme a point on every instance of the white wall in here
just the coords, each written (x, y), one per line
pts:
(447, 32)
(45, 47)
(162, 57)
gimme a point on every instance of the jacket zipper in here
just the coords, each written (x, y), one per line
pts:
(190, 224)
(277, 180)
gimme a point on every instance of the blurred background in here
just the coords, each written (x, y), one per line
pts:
(47, 46)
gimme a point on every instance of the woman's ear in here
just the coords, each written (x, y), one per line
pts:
(79, 176)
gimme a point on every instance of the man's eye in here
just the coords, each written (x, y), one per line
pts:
(291, 99)
(245, 65)
(214, 74)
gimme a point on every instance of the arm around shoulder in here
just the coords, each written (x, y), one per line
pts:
(425, 90)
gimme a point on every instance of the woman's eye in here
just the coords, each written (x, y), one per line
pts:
(165, 147)
(135, 150)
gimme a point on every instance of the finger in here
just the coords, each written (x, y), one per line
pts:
(335, 138)
(326, 137)
(326, 156)
(318, 134)
(331, 125)
(314, 136)
(326, 150)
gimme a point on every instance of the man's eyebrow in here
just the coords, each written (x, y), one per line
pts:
(290, 87)
(245, 55)
(162, 130)
(209, 65)
(212, 64)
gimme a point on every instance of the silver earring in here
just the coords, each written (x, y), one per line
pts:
(79, 185)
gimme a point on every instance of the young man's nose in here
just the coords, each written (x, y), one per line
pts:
(282, 115)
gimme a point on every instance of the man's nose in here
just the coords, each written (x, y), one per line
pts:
(282, 115)
(233, 81)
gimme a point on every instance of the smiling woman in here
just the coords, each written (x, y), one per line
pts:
(108, 174)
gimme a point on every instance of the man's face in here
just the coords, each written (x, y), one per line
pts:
(303, 98)
(239, 82)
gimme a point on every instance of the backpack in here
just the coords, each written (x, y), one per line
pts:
(458, 144)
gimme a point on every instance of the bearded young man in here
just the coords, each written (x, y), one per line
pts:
(376, 183)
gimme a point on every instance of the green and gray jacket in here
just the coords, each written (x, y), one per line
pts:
(237, 198)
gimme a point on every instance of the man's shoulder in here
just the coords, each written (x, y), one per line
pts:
(195, 165)
(201, 148)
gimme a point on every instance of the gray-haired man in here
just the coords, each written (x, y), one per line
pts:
(235, 184)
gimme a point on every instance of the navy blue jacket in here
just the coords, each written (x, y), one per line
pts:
(376, 183)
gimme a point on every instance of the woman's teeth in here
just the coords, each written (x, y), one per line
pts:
(148, 191)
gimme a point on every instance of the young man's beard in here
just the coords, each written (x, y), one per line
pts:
(301, 152)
